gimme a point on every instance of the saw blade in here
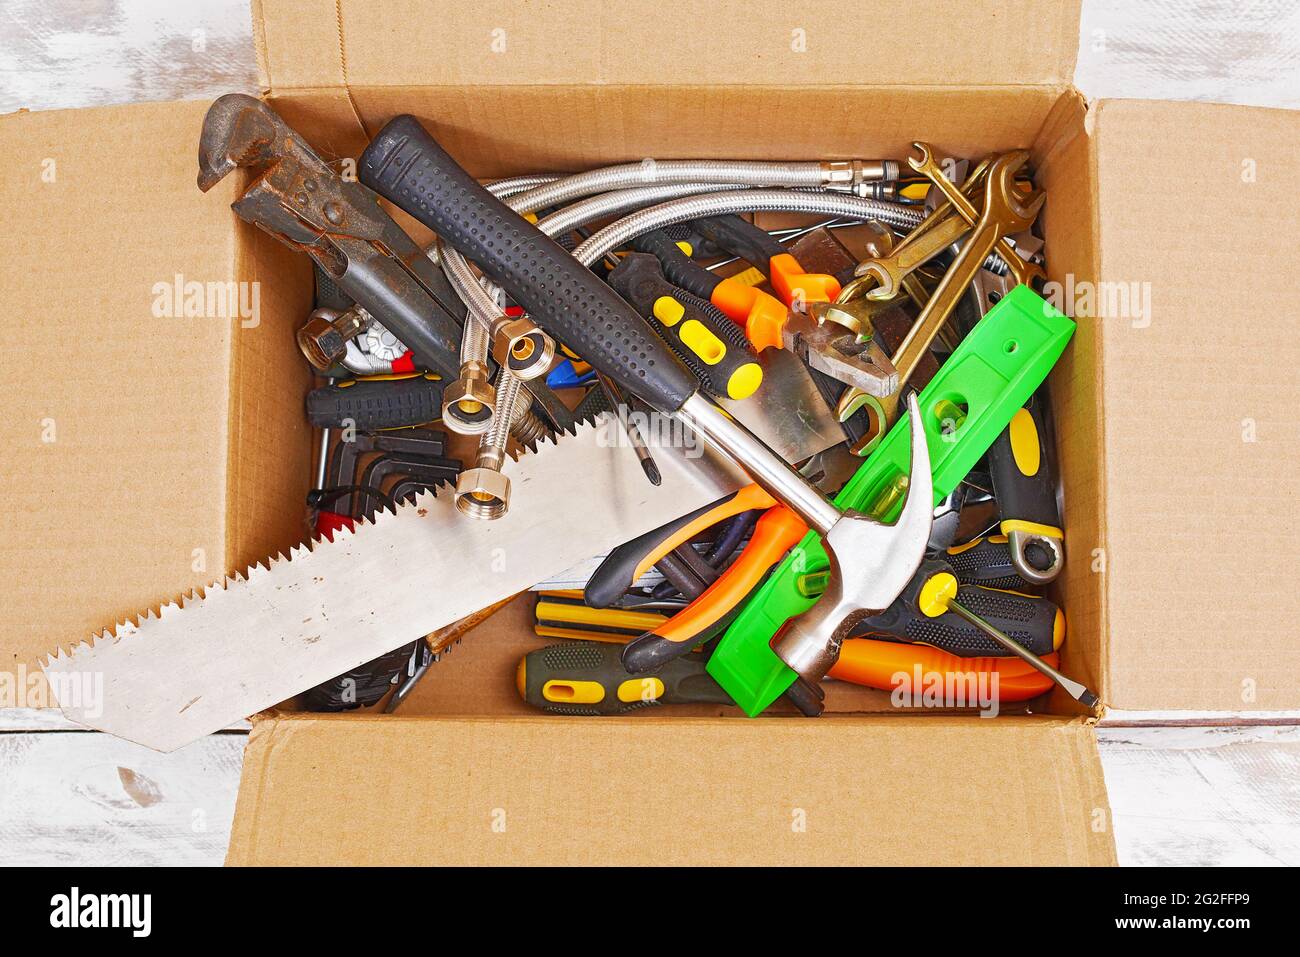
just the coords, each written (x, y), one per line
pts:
(252, 641)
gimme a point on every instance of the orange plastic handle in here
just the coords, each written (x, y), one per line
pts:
(876, 664)
(778, 531)
(760, 315)
(791, 282)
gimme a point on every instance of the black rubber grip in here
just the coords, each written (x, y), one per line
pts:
(1028, 443)
(362, 686)
(741, 238)
(1030, 622)
(716, 358)
(986, 562)
(406, 165)
(369, 404)
(679, 268)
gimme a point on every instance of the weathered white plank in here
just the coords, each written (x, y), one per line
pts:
(1204, 796)
(91, 799)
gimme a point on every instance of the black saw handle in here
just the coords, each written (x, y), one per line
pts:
(406, 165)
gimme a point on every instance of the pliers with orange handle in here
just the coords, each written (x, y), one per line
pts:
(768, 323)
(777, 531)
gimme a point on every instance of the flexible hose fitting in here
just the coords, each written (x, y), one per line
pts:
(483, 492)
(623, 231)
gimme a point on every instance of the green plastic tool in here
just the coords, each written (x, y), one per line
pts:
(972, 399)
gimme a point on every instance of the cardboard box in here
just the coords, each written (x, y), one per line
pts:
(149, 454)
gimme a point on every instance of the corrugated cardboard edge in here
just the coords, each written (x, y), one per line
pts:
(315, 44)
(324, 790)
(1065, 142)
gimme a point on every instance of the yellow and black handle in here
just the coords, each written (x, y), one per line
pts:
(760, 314)
(985, 561)
(1022, 464)
(711, 345)
(920, 616)
(587, 678)
(564, 614)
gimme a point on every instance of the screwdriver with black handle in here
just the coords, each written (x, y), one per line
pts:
(985, 561)
(922, 615)
(989, 623)
(1023, 468)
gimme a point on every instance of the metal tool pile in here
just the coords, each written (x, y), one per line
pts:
(821, 449)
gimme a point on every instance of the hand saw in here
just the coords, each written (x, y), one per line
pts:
(255, 640)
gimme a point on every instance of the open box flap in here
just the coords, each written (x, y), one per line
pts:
(120, 493)
(309, 44)
(1200, 394)
(346, 790)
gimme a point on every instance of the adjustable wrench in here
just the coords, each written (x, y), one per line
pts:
(406, 165)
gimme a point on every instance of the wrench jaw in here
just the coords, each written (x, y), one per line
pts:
(882, 560)
(237, 118)
(839, 353)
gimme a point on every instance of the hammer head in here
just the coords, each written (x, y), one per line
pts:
(239, 130)
(870, 565)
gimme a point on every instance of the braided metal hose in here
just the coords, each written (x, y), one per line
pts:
(840, 205)
(846, 174)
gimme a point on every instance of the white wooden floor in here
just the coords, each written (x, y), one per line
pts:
(1213, 795)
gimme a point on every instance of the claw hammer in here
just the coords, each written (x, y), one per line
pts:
(406, 165)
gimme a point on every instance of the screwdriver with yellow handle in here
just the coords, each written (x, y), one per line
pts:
(588, 678)
(711, 345)
(760, 314)
(1004, 622)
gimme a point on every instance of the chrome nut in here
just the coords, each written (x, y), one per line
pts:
(483, 493)
(517, 344)
(468, 405)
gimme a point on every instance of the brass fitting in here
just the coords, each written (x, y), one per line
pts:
(483, 492)
(469, 403)
(518, 345)
(324, 337)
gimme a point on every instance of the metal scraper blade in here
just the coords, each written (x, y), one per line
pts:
(253, 641)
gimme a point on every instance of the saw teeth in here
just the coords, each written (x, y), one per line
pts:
(223, 590)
